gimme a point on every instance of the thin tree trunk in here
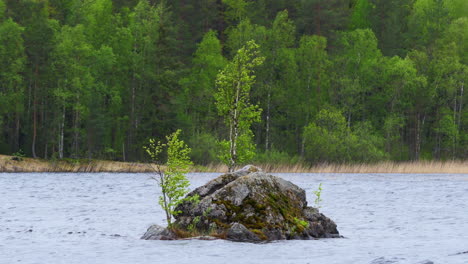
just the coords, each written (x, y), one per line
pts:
(417, 144)
(164, 195)
(454, 139)
(17, 129)
(132, 114)
(319, 91)
(123, 151)
(318, 30)
(76, 134)
(29, 97)
(90, 143)
(234, 130)
(231, 147)
(438, 143)
(131, 132)
(437, 138)
(33, 147)
(460, 106)
(62, 124)
(267, 135)
(43, 121)
(455, 108)
(349, 119)
(309, 95)
(45, 150)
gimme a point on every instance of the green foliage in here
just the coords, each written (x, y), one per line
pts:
(12, 61)
(328, 139)
(245, 151)
(200, 84)
(276, 157)
(322, 17)
(393, 125)
(12, 64)
(325, 138)
(232, 101)
(448, 133)
(236, 9)
(193, 225)
(313, 64)
(318, 196)
(359, 50)
(206, 150)
(365, 145)
(20, 154)
(93, 78)
(428, 20)
(2, 9)
(389, 21)
(172, 180)
(457, 8)
(301, 223)
(245, 31)
(360, 17)
(457, 33)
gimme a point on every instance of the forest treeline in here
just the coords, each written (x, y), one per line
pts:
(342, 80)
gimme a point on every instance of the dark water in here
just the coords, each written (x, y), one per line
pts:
(99, 218)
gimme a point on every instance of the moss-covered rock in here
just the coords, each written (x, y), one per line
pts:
(250, 205)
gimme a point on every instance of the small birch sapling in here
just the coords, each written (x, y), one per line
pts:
(171, 175)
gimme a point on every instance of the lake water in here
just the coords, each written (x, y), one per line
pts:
(99, 218)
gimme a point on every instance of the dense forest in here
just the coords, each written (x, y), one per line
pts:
(341, 80)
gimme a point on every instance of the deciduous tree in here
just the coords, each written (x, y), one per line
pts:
(233, 101)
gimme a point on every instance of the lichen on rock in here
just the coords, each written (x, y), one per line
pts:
(250, 205)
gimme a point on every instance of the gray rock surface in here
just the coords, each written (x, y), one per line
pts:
(250, 205)
(156, 232)
(238, 232)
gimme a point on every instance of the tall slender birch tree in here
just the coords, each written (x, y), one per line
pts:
(232, 100)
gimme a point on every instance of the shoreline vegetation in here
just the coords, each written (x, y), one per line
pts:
(282, 83)
(22, 164)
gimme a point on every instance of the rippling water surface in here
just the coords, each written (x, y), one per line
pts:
(99, 218)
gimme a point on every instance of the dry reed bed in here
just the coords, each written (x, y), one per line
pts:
(381, 167)
(7, 164)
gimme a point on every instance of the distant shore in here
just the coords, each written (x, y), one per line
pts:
(22, 164)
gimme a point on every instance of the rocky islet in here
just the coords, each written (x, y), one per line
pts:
(248, 205)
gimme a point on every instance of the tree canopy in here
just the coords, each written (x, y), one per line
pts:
(97, 79)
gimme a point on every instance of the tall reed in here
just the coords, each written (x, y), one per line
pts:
(7, 164)
(381, 167)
